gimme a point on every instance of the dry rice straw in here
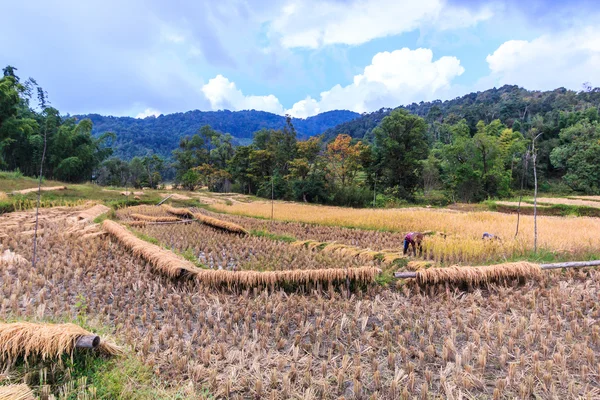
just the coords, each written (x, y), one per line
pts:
(478, 275)
(149, 218)
(16, 392)
(205, 219)
(28, 339)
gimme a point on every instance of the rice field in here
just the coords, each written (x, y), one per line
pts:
(533, 334)
(569, 238)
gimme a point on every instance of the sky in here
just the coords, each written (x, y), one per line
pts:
(301, 57)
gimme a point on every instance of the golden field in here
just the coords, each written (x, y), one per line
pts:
(566, 237)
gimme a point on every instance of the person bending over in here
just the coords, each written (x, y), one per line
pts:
(414, 240)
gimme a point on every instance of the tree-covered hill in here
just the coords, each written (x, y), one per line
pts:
(508, 103)
(161, 135)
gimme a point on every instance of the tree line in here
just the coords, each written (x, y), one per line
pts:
(402, 163)
(445, 155)
(28, 123)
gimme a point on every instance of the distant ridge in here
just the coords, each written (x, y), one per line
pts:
(161, 135)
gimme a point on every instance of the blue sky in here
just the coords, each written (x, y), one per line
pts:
(145, 57)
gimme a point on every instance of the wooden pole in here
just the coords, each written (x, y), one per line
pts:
(572, 264)
(88, 342)
(165, 199)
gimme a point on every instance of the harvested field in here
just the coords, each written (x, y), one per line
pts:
(220, 250)
(573, 238)
(537, 340)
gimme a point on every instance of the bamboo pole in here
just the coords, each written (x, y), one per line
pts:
(165, 199)
(88, 342)
(572, 264)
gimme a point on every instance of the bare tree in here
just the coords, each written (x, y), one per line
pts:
(43, 105)
(534, 157)
(524, 173)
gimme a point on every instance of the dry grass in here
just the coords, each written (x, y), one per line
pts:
(571, 202)
(150, 218)
(478, 275)
(164, 261)
(43, 189)
(3, 196)
(573, 238)
(16, 392)
(45, 341)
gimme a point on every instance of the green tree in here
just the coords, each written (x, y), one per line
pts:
(579, 156)
(400, 145)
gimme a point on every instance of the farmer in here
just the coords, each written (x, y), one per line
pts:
(489, 236)
(413, 239)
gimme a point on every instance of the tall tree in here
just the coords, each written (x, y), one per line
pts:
(399, 146)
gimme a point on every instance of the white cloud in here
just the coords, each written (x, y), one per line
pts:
(148, 112)
(315, 23)
(223, 94)
(392, 79)
(567, 59)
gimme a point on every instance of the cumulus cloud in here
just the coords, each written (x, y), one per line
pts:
(223, 94)
(392, 78)
(567, 59)
(315, 23)
(148, 112)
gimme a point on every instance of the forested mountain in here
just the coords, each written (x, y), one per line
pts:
(508, 103)
(161, 135)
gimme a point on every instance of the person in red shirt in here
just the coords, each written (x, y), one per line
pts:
(414, 240)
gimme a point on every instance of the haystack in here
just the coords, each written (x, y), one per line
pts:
(26, 339)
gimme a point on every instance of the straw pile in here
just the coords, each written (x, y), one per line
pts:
(479, 275)
(205, 219)
(12, 258)
(92, 213)
(44, 189)
(216, 278)
(387, 256)
(26, 339)
(164, 261)
(16, 392)
(149, 218)
(180, 212)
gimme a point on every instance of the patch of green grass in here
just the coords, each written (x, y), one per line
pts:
(273, 236)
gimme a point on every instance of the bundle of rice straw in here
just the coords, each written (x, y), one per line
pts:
(205, 219)
(92, 213)
(181, 212)
(149, 218)
(16, 392)
(216, 278)
(479, 275)
(162, 260)
(26, 339)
